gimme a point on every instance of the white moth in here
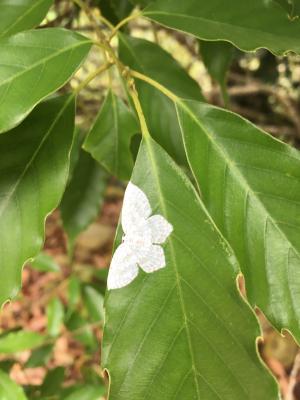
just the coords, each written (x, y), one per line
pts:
(140, 246)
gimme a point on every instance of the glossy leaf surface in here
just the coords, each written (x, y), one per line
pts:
(34, 165)
(188, 314)
(249, 25)
(20, 15)
(250, 183)
(33, 65)
(110, 137)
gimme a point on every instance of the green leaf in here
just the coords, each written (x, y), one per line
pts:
(93, 301)
(87, 392)
(250, 183)
(33, 65)
(20, 15)
(44, 263)
(9, 389)
(55, 316)
(217, 57)
(52, 383)
(82, 331)
(74, 293)
(34, 164)
(182, 332)
(75, 151)
(291, 6)
(40, 356)
(115, 10)
(248, 25)
(15, 342)
(110, 137)
(83, 197)
(142, 56)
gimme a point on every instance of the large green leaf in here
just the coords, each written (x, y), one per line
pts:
(33, 65)
(249, 25)
(160, 113)
(83, 197)
(14, 342)
(250, 183)
(20, 15)
(110, 137)
(9, 389)
(182, 332)
(34, 169)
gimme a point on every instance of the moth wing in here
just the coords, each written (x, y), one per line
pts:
(136, 208)
(123, 268)
(160, 228)
(153, 260)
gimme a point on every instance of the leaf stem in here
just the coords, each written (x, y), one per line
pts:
(123, 22)
(93, 75)
(156, 84)
(83, 6)
(135, 98)
(106, 22)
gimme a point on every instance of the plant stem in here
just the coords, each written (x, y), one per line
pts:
(106, 22)
(122, 23)
(123, 70)
(93, 75)
(83, 6)
(135, 98)
(156, 84)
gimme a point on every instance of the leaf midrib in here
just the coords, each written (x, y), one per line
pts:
(35, 154)
(21, 17)
(241, 178)
(178, 281)
(43, 61)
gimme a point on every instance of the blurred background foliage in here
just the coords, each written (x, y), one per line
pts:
(50, 335)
